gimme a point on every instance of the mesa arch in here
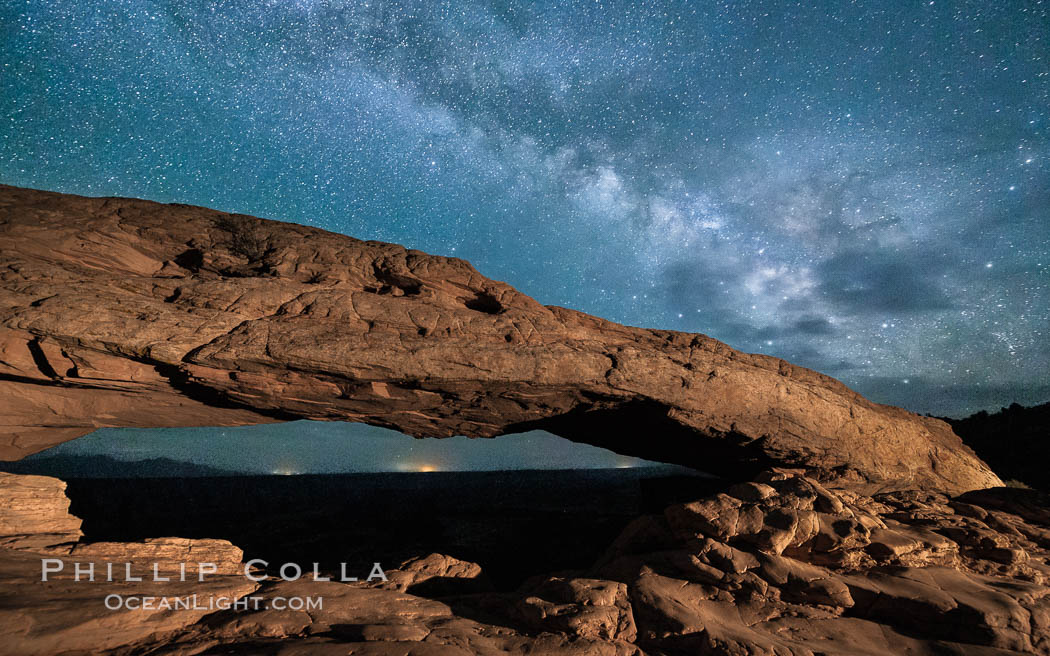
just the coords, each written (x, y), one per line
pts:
(123, 312)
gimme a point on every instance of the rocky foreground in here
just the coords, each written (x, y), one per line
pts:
(855, 528)
(780, 565)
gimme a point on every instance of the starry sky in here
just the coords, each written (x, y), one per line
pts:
(859, 187)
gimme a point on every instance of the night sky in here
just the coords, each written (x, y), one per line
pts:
(862, 188)
(326, 448)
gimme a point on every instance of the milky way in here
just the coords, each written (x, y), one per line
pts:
(859, 187)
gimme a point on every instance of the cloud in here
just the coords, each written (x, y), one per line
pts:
(659, 174)
(883, 280)
(814, 326)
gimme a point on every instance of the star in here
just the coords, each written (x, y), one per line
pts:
(739, 158)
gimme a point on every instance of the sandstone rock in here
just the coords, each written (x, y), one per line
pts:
(68, 616)
(120, 312)
(168, 554)
(435, 575)
(773, 516)
(904, 572)
(588, 608)
(34, 512)
(359, 619)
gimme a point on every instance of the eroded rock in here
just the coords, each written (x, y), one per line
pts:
(64, 615)
(34, 512)
(119, 312)
(167, 554)
(904, 572)
(934, 574)
(435, 575)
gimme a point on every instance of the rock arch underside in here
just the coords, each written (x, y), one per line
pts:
(854, 528)
(120, 312)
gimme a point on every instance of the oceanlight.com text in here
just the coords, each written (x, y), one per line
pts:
(210, 603)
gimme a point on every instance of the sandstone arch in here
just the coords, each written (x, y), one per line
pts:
(121, 312)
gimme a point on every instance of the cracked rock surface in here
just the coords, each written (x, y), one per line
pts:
(119, 312)
(777, 565)
(857, 528)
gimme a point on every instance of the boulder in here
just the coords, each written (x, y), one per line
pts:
(34, 512)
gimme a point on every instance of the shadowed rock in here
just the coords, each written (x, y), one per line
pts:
(118, 312)
(777, 565)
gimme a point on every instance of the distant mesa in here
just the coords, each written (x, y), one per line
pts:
(1015, 441)
(69, 466)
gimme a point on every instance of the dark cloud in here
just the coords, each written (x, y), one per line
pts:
(814, 326)
(884, 281)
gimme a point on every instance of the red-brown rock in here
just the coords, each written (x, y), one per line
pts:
(34, 512)
(117, 312)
